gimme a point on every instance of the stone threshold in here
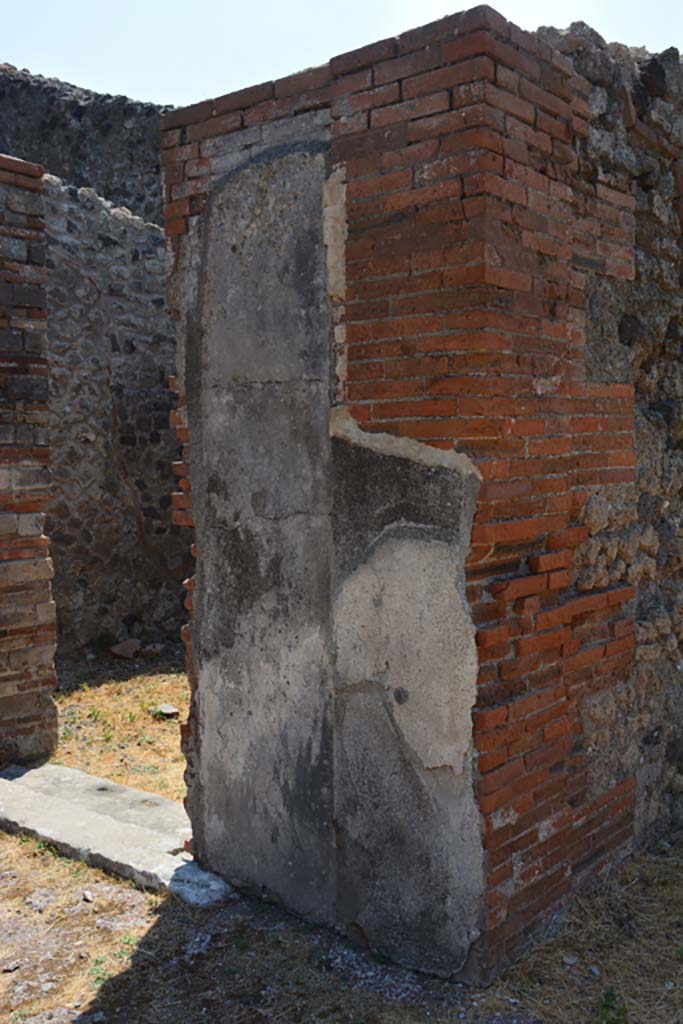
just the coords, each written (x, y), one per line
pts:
(130, 833)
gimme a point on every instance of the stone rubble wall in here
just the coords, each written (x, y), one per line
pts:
(635, 336)
(28, 720)
(119, 560)
(107, 143)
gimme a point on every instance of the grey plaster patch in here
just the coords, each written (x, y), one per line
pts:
(384, 483)
(268, 429)
(265, 315)
(409, 849)
(402, 627)
(257, 380)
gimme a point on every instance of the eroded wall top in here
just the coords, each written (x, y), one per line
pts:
(108, 143)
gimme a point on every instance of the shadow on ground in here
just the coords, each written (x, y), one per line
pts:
(247, 963)
(74, 674)
(79, 947)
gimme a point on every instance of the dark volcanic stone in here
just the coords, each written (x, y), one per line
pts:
(108, 143)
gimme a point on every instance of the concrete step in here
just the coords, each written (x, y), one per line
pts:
(130, 833)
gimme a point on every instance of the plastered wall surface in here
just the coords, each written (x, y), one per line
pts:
(259, 387)
(405, 684)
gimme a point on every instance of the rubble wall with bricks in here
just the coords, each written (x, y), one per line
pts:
(487, 229)
(119, 560)
(28, 720)
(633, 336)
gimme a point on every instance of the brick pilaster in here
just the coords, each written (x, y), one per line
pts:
(28, 725)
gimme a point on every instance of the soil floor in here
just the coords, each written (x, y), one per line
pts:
(78, 947)
(109, 724)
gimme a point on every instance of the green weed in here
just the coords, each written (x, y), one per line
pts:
(609, 1011)
(98, 973)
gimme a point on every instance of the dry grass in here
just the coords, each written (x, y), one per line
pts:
(618, 958)
(107, 724)
(145, 960)
(139, 959)
(60, 955)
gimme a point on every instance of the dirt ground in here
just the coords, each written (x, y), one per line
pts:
(77, 947)
(86, 948)
(108, 723)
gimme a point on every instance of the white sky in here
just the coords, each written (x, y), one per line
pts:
(180, 51)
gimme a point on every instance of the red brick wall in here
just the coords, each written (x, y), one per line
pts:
(27, 620)
(469, 231)
(469, 226)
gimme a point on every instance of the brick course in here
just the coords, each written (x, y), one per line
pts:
(28, 725)
(470, 231)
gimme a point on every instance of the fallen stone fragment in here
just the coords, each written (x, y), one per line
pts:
(153, 650)
(88, 896)
(11, 967)
(126, 649)
(166, 711)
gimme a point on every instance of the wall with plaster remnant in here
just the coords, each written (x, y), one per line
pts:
(118, 558)
(257, 387)
(503, 231)
(410, 868)
(334, 652)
